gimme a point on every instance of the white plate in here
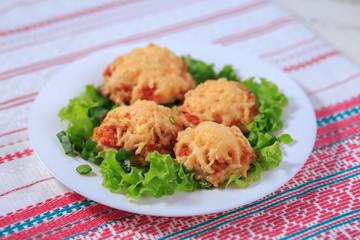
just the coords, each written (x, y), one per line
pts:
(44, 123)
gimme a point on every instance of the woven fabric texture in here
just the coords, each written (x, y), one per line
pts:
(40, 37)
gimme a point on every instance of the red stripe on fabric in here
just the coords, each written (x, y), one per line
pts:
(86, 225)
(254, 32)
(284, 196)
(294, 213)
(139, 224)
(73, 24)
(349, 132)
(288, 48)
(346, 231)
(13, 143)
(326, 157)
(298, 54)
(19, 98)
(334, 84)
(17, 104)
(91, 28)
(337, 127)
(329, 223)
(12, 132)
(29, 185)
(142, 223)
(70, 224)
(17, 155)
(56, 222)
(67, 17)
(17, 5)
(146, 226)
(332, 159)
(40, 208)
(138, 37)
(310, 62)
(338, 107)
(43, 64)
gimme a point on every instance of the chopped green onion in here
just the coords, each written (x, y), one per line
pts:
(84, 169)
(123, 156)
(285, 138)
(89, 147)
(98, 160)
(66, 143)
(96, 114)
(85, 155)
(78, 141)
(126, 165)
(172, 120)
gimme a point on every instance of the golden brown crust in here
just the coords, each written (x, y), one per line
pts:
(221, 101)
(142, 127)
(214, 152)
(151, 73)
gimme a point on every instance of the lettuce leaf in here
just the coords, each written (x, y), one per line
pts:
(229, 73)
(163, 177)
(285, 138)
(266, 145)
(268, 157)
(270, 102)
(201, 71)
(83, 113)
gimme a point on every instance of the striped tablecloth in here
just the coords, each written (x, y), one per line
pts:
(40, 37)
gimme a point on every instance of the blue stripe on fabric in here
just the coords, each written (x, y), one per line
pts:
(69, 224)
(284, 192)
(45, 216)
(336, 131)
(338, 116)
(332, 227)
(271, 205)
(272, 197)
(68, 208)
(103, 225)
(342, 140)
(320, 224)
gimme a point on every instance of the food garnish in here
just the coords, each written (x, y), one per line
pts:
(162, 174)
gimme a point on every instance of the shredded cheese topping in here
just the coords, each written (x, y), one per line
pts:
(151, 73)
(221, 101)
(142, 127)
(214, 152)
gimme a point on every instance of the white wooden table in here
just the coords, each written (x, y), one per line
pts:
(337, 21)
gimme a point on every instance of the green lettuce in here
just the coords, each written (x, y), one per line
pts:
(268, 157)
(229, 73)
(163, 177)
(84, 113)
(270, 101)
(266, 145)
(201, 71)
